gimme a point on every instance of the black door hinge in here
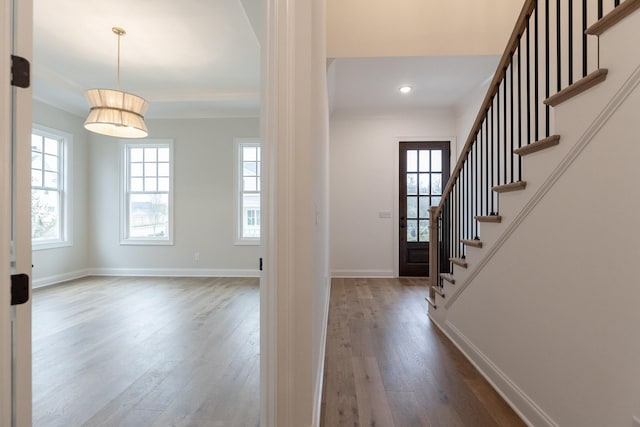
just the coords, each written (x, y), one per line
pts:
(20, 72)
(19, 289)
(260, 264)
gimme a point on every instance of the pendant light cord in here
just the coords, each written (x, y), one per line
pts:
(118, 73)
(119, 32)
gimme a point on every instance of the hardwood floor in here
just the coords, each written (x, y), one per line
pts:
(147, 352)
(387, 365)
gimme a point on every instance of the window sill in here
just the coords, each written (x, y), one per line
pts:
(247, 243)
(146, 242)
(50, 245)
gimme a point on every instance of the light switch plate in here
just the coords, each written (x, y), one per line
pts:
(384, 214)
(636, 422)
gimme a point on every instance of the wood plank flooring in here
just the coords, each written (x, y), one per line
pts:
(387, 365)
(147, 352)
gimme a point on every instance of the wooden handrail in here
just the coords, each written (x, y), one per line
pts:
(512, 46)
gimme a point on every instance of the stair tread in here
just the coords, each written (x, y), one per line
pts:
(459, 262)
(474, 243)
(613, 17)
(542, 144)
(488, 218)
(578, 87)
(512, 186)
(438, 291)
(448, 277)
(431, 302)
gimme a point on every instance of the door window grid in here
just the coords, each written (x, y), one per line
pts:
(48, 221)
(148, 209)
(424, 189)
(249, 187)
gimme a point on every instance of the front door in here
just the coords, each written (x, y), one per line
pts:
(424, 171)
(15, 219)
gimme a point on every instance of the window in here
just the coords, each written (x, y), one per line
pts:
(49, 197)
(248, 190)
(148, 193)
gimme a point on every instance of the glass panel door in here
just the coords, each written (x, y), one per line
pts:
(423, 174)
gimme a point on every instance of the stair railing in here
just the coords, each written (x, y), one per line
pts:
(548, 51)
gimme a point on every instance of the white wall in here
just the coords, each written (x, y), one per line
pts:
(466, 112)
(203, 203)
(364, 182)
(72, 261)
(360, 28)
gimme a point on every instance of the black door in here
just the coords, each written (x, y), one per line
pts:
(424, 171)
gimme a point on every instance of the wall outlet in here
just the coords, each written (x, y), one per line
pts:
(196, 256)
(384, 214)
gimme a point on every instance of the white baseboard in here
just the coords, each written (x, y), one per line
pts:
(317, 401)
(362, 274)
(174, 272)
(58, 278)
(516, 398)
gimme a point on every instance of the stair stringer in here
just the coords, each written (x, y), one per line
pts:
(583, 112)
(543, 170)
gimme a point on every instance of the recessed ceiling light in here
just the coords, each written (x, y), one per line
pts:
(405, 89)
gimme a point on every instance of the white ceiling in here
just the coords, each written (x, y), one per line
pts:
(371, 84)
(199, 59)
(188, 58)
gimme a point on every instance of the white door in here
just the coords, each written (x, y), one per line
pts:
(15, 206)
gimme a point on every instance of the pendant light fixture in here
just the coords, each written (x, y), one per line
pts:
(116, 113)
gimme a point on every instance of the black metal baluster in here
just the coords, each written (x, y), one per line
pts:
(584, 38)
(616, 3)
(469, 195)
(536, 89)
(504, 121)
(492, 162)
(528, 83)
(476, 186)
(487, 186)
(465, 195)
(570, 43)
(511, 115)
(457, 239)
(558, 48)
(476, 195)
(520, 107)
(497, 139)
(599, 9)
(546, 66)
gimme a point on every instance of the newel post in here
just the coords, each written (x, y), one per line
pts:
(433, 250)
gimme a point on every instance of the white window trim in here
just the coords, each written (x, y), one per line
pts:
(124, 240)
(238, 143)
(66, 232)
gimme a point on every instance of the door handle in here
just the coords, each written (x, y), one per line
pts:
(19, 289)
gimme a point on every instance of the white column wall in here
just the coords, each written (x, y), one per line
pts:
(295, 282)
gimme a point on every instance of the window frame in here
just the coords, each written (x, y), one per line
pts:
(125, 146)
(239, 144)
(65, 176)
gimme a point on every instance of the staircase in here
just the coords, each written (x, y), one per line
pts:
(531, 262)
